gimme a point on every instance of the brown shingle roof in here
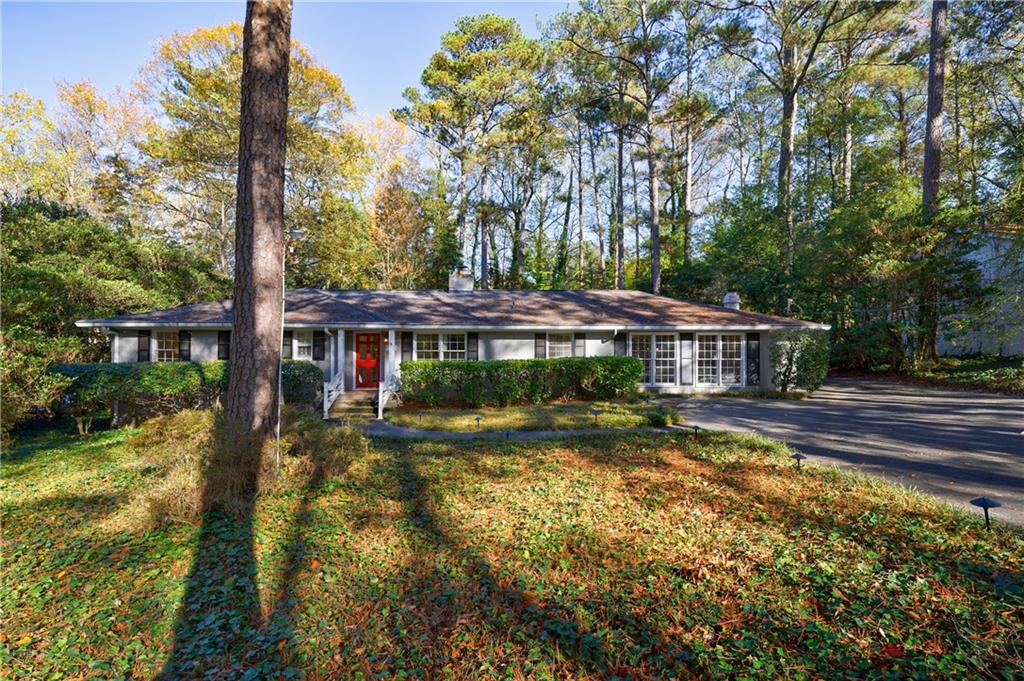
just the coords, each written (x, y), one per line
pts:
(477, 309)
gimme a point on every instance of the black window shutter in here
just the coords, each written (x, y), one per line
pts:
(286, 346)
(686, 358)
(753, 359)
(620, 344)
(473, 346)
(143, 351)
(185, 346)
(579, 345)
(407, 346)
(540, 345)
(223, 345)
(319, 346)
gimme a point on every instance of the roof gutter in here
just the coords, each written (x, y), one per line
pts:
(108, 326)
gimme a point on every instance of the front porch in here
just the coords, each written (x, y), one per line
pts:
(362, 367)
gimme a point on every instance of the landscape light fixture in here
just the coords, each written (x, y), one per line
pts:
(798, 457)
(986, 503)
(596, 413)
(478, 417)
(696, 429)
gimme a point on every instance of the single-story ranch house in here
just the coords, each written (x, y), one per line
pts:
(360, 337)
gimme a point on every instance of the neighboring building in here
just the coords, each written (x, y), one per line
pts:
(359, 338)
(1001, 260)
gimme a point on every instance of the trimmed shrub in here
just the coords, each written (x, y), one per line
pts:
(518, 381)
(800, 360)
(134, 392)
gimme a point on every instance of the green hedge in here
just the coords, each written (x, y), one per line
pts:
(516, 381)
(148, 389)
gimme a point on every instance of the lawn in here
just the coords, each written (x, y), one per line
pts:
(552, 416)
(979, 372)
(639, 555)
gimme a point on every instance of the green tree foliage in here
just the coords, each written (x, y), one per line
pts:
(61, 265)
(194, 80)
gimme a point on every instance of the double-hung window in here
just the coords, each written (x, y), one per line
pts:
(304, 345)
(640, 347)
(450, 346)
(167, 346)
(559, 345)
(665, 359)
(659, 354)
(455, 346)
(720, 359)
(428, 346)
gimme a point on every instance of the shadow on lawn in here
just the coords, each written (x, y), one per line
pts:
(459, 590)
(221, 629)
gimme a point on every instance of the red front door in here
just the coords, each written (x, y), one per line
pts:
(367, 360)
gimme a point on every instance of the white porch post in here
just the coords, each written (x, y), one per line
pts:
(391, 353)
(341, 353)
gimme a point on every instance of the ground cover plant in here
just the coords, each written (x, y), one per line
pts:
(647, 556)
(552, 416)
(990, 373)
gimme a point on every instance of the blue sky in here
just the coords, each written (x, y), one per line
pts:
(378, 48)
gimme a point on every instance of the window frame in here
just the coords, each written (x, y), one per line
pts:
(674, 359)
(450, 354)
(718, 360)
(172, 338)
(442, 346)
(303, 341)
(649, 360)
(548, 344)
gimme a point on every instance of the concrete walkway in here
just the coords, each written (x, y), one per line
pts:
(955, 445)
(385, 429)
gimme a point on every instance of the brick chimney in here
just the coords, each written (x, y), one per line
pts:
(731, 300)
(460, 281)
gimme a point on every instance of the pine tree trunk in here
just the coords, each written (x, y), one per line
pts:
(579, 197)
(933, 121)
(481, 220)
(253, 388)
(928, 313)
(652, 190)
(620, 211)
(785, 198)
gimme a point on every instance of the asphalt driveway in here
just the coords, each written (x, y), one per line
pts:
(955, 445)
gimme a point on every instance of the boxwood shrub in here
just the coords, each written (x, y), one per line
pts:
(517, 381)
(133, 392)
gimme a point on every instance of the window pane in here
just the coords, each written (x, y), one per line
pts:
(559, 345)
(454, 346)
(732, 359)
(427, 347)
(641, 349)
(707, 360)
(665, 359)
(167, 346)
(304, 345)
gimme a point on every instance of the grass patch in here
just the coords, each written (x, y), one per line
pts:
(991, 373)
(640, 555)
(551, 416)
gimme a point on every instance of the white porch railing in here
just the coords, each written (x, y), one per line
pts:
(386, 389)
(332, 389)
